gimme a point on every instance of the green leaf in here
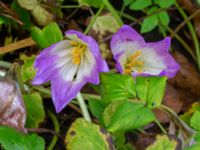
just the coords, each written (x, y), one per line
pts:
(163, 143)
(163, 18)
(104, 23)
(47, 36)
(149, 23)
(194, 121)
(126, 115)
(28, 71)
(151, 90)
(115, 87)
(10, 139)
(23, 14)
(140, 4)
(96, 3)
(165, 3)
(187, 115)
(35, 110)
(28, 4)
(96, 108)
(87, 136)
(127, 2)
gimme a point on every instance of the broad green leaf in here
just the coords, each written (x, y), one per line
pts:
(23, 14)
(149, 23)
(96, 108)
(83, 135)
(35, 110)
(115, 87)
(28, 71)
(10, 139)
(197, 137)
(165, 3)
(47, 36)
(194, 121)
(96, 3)
(140, 4)
(163, 143)
(126, 115)
(151, 89)
(163, 18)
(104, 23)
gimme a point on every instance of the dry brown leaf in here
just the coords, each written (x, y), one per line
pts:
(12, 110)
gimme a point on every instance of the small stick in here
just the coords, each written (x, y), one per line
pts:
(17, 45)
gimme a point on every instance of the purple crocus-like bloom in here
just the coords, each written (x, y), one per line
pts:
(69, 65)
(136, 57)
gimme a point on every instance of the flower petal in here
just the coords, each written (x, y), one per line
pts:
(162, 50)
(64, 91)
(126, 38)
(46, 62)
(93, 47)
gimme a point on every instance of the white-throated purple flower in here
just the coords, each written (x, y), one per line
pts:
(136, 57)
(69, 65)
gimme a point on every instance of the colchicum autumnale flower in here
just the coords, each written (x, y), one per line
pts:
(69, 65)
(136, 57)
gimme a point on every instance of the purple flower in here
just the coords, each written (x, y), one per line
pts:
(69, 65)
(136, 57)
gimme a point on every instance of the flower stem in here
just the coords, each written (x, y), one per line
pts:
(70, 6)
(83, 107)
(114, 12)
(94, 19)
(56, 128)
(160, 126)
(193, 34)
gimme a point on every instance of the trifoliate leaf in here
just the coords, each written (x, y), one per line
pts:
(163, 18)
(165, 3)
(47, 36)
(140, 4)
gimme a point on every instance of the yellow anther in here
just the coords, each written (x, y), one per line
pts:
(77, 52)
(134, 63)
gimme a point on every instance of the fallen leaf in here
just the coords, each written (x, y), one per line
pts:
(12, 110)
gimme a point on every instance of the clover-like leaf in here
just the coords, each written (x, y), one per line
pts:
(47, 36)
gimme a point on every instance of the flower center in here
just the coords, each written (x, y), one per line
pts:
(77, 51)
(134, 63)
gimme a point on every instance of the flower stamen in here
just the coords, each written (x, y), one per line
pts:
(77, 51)
(134, 63)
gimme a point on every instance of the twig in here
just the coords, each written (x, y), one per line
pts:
(43, 130)
(178, 28)
(17, 45)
